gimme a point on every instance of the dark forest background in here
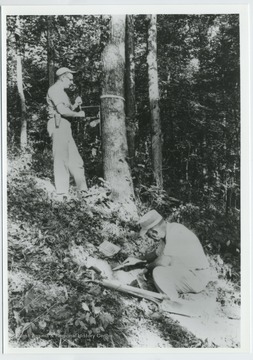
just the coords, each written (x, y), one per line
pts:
(199, 82)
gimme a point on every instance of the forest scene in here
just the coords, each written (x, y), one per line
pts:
(161, 96)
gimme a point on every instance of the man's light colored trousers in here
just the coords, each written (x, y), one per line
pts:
(67, 159)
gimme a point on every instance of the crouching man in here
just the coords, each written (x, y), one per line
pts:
(179, 263)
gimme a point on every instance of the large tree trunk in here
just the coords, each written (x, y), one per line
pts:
(50, 50)
(20, 86)
(154, 103)
(114, 140)
(130, 88)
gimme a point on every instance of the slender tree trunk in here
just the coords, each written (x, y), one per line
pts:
(114, 140)
(20, 86)
(154, 103)
(130, 88)
(50, 50)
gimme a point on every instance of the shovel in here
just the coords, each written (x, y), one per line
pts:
(162, 300)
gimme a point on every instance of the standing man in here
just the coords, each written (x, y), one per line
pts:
(179, 264)
(67, 159)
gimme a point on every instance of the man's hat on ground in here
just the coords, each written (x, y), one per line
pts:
(148, 221)
(64, 70)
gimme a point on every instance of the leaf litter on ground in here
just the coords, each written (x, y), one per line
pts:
(49, 244)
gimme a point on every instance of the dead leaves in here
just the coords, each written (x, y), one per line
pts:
(42, 324)
(106, 319)
(85, 307)
(43, 254)
(27, 328)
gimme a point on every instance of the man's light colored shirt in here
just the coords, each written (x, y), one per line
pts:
(183, 246)
(55, 96)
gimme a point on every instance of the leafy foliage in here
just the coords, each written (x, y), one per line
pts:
(198, 59)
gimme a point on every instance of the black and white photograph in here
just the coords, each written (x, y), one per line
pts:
(123, 134)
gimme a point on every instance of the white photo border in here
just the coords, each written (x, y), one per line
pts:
(74, 8)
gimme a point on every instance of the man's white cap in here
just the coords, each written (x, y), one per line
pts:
(148, 221)
(64, 70)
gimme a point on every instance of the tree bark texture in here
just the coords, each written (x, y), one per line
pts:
(130, 88)
(114, 140)
(50, 50)
(20, 86)
(154, 103)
